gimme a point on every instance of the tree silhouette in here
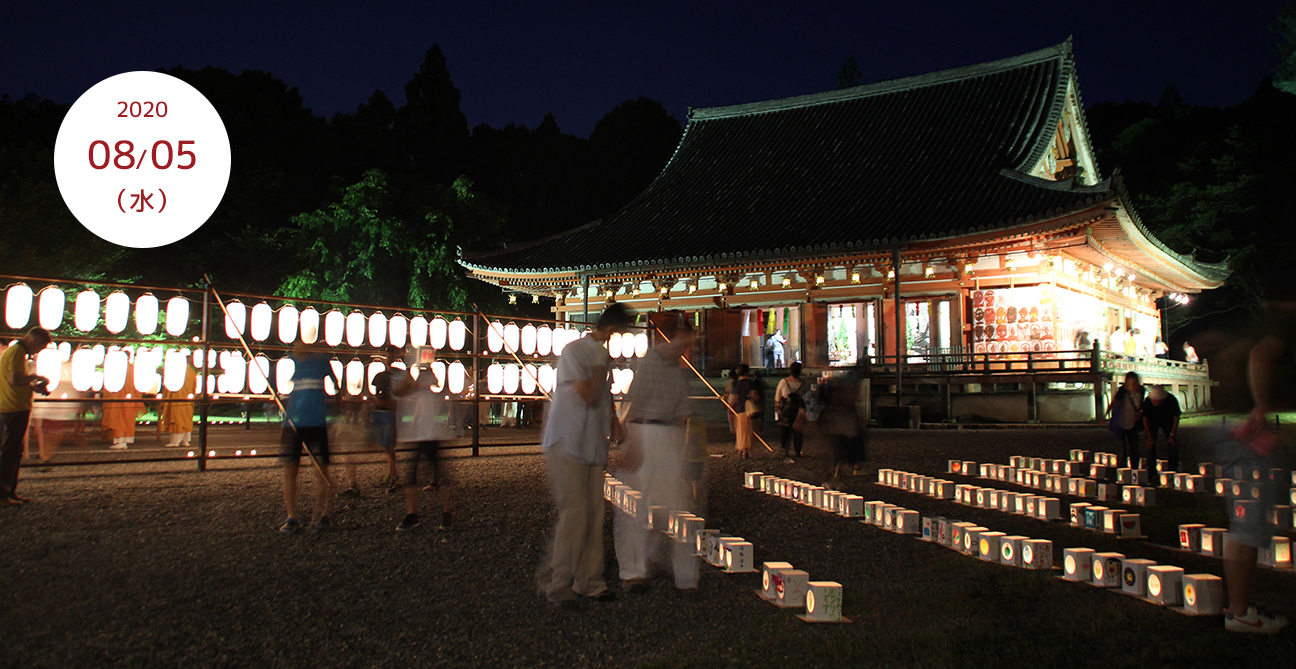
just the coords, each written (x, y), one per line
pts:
(850, 74)
(432, 128)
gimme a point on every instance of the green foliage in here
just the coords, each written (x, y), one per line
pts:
(1285, 72)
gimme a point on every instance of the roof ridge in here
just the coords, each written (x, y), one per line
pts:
(1058, 51)
(475, 255)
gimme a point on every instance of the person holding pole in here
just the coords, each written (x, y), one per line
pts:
(305, 424)
(16, 388)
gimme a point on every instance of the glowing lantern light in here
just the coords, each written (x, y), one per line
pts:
(418, 327)
(259, 375)
(529, 380)
(284, 369)
(614, 345)
(86, 312)
(83, 369)
(398, 330)
(147, 361)
(213, 358)
(438, 376)
(354, 377)
(627, 346)
(375, 368)
(65, 351)
(560, 339)
(528, 339)
(334, 324)
(50, 308)
(511, 337)
(18, 306)
(288, 318)
(641, 344)
(458, 333)
(495, 379)
(235, 374)
(355, 329)
(177, 316)
(49, 364)
(211, 384)
(115, 363)
(262, 319)
(377, 329)
(494, 336)
(116, 311)
(329, 387)
(457, 377)
(544, 340)
(512, 378)
(547, 376)
(173, 369)
(236, 320)
(309, 321)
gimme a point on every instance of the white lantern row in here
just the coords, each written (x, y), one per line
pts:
(509, 379)
(621, 380)
(627, 345)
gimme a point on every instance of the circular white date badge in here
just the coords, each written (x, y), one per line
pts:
(142, 159)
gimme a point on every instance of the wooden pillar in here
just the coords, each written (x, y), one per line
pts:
(899, 328)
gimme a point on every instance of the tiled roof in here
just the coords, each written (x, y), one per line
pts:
(929, 157)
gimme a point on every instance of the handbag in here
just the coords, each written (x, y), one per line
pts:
(799, 423)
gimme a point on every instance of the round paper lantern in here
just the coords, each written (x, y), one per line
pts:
(259, 375)
(338, 370)
(173, 369)
(560, 339)
(355, 329)
(437, 333)
(235, 373)
(456, 336)
(18, 306)
(614, 345)
(177, 316)
(528, 339)
(398, 330)
(512, 376)
(288, 318)
(334, 326)
(547, 376)
(65, 351)
(438, 376)
(214, 357)
(147, 361)
(377, 329)
(456, 377)
(375, 368)
(114, 369)
(495, 379)
(83, 369)
(49, 364)
(262, 319)
(211, 384)
(494, 336)
(235, 321)
(116, 311)
(355, 372)
(284, 369)
(528, 380)
(418, 332)
(85, 313)
(309, 325)
(640, 345)
(512, 337)
(49, 308)
(544, 340)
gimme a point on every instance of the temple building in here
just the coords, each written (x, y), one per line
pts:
(951, 229)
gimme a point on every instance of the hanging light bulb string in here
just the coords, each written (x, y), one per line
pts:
(494, 325)
(713, 390)
(274, 392)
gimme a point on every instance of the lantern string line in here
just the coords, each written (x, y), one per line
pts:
(713, 390)
(494, 325)
(274, 392)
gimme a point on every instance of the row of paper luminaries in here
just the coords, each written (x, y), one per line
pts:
(355, 328)
(790, 589)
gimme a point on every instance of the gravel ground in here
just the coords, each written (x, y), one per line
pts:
(159, 565)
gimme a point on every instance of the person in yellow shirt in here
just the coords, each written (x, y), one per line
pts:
(16, 387)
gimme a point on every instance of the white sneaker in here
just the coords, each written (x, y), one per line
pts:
(789, 461)
(1254, 621)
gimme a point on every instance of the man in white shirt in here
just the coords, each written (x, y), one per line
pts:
(580, 422)
(777, 345)
(1116, 343)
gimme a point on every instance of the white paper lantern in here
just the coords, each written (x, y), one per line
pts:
(418, 328)
(65, 351)
(614, 345)
(83, 369)
(173, 369)
(547, 376)
(355, 372)
(627, 346)
(494, 336)
(287, 322)
(512, 337)
(377, 329)
(640, 345)
(262, 319)
(456, 376)
(398, 330)
(309, 325)
(147, 361)
(284, 369)
(512, 378)
(49, 364)
(259, 375)
(235, 321)
(457, 335)
(115, 364)
(560, 338)
(334, 327)
(50, 306)
(211, 384)
(495, 379)
(544, 340)
(213, 357)
(438, 376)
(116, 311)
(18, 306)
(355, 329)
(338, 373)
(235, 375)
(528, 339)
(528, 379)
(86, 310)
(177, 316)
(375, 368)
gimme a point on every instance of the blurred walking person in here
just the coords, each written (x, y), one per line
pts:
(176, 414)
(790, 412)
(1161, 416)
(16, 388)
(306, 424)
(654, 462)
(380, 430)
(1126, 411)
(422, 425)
(843, 425)
(745, 403)
(120, 413)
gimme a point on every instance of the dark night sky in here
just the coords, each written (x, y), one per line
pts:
(515, 61)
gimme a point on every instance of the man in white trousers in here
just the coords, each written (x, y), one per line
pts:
(656, 422)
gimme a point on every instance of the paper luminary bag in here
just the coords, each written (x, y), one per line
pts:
(1077, 564)
(1165, 585)
(823, 601)
(1010, 549)
(1145, 496)
(1278, 555)
(750, 479)
(930, 528)
(1078, 514)
(1037, 554)
(1203, 594)
(1223, 486)
(908, 522)
(791, 588)
(1134, 575)
(972, 539)
(1190, 536)
(1111, 520)
(1212, 541)
(1280, 516)
(692, 525)
(1195, 483)
(737, 556)
(988, 546)
(1093, 517)
(1131, 526)
(1107, 569)
(768, 582)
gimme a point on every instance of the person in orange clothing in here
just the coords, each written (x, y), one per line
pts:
(176, 416)
(119, 417)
